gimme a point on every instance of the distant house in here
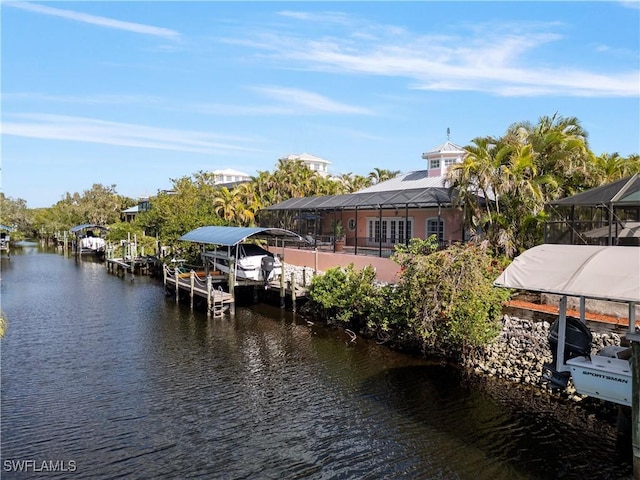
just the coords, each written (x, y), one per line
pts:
(230, 177)
(314, 163)
(130, 213)
(412, 205)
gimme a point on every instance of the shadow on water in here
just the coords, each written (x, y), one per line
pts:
(483, 423)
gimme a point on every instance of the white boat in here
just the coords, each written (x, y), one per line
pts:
(88, 242)
(92, 245)
(606, 375)
(251, 262)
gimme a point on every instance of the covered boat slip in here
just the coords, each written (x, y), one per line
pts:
(87, 240)
(229, 259)
(610, 273)
(5, 239)
(220, 265)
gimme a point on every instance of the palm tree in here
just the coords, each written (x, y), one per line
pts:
(225, 204)
(380, 175)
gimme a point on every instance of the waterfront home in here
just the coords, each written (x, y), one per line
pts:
(416, 204)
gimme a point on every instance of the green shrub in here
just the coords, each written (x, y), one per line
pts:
(344, 295)
(445, 301)
(451, 296)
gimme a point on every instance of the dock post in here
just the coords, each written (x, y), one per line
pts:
(304, 277)
(209, 306)
(232, 288)
(293, 290)
(177, 278)
(192, 277)
(282, 290)
(315, 257)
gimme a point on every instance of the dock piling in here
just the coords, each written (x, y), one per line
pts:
(293, 291)
(282, 289)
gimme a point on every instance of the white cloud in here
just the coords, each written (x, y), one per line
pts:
(285, 101)
(91, 130)
(475, 59)
(305, 101)
(96, 20)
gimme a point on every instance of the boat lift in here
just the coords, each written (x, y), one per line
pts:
(609, 273)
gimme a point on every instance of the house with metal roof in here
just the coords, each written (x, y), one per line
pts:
(129, 214)
(416, 204)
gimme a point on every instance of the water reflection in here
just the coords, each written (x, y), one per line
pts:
(110, 373)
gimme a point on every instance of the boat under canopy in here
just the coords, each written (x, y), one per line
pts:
(247, 262)
(610, 273)
(88, 242)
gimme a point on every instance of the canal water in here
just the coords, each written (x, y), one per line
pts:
(105, 377)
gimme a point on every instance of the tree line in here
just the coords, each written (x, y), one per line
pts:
(502, 186)
(192, 201)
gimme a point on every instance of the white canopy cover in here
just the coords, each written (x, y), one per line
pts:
(599, 272)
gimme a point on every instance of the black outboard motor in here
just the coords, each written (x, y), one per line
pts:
(267, 265)
(577, 343)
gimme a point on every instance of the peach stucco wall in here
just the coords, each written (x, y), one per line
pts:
(452, 222)
(386, 270)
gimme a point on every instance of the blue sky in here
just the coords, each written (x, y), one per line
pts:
(137, 93)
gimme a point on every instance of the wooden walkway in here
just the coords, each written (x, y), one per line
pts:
(195, 284)
(122, 265)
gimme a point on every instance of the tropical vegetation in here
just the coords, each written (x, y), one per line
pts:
(444, 302)
(504, 183)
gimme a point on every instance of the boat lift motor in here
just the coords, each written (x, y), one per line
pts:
(267, 265)
(577, 343)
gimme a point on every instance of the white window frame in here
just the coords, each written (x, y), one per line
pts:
(393, 230)
(430, 230)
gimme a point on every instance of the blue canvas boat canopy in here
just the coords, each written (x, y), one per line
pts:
(5, 228)
(84, 226)
(229, 236)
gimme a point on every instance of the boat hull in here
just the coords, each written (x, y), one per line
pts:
(602, 377)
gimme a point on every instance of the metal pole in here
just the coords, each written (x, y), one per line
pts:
(355, 249)
(634, 338)
(380, 231)
(562, 330)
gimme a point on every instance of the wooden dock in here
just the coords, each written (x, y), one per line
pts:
(142, 265)
(196, 286)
